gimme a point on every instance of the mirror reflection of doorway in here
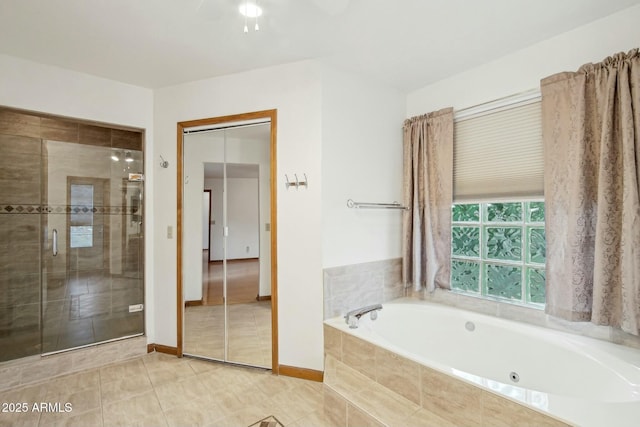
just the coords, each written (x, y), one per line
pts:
(243, 244)
(227, 310)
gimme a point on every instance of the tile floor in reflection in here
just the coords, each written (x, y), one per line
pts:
(162, 390)
(249, 332)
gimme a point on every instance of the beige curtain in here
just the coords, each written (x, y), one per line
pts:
(591, 132)
(428, 192)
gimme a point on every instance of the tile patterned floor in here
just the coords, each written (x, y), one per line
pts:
(162, 390)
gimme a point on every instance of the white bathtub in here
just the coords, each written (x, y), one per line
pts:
(584, 381)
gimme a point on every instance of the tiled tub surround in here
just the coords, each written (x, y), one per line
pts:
(351, 286)
(579, 380)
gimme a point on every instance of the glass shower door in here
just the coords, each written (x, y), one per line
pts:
(71, 241)
(92, 263)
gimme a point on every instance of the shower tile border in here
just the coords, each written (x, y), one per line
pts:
(65, 209)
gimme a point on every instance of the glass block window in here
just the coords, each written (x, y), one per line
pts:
(498, 251)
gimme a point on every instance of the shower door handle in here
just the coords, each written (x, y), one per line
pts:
(55, 242)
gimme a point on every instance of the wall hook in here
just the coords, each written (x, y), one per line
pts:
(164, 163)
(297, 183)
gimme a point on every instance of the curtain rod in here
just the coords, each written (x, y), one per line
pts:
(488, 107)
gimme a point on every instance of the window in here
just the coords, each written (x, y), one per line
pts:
(498, 251)
(498, 240)
(81, 221)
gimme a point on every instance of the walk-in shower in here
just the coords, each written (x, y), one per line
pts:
(71, 234)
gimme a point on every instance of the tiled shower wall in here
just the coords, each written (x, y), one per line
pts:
(352, 286)
(20, 245)
(74, 302)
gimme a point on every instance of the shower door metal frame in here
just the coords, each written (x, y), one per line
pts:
(48, 249)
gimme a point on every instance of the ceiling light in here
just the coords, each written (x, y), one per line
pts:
(250, 10)
(127, 157)
(115, 157)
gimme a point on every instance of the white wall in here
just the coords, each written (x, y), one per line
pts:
(361, 160)
(243, 218)
(257, 152)
(523, 70)
(264, 224)
(217, 200)
(42, 88)
(192, 220)
(294, 90)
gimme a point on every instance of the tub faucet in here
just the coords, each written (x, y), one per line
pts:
(352, 317)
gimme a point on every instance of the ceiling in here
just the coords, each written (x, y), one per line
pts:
(403, 43)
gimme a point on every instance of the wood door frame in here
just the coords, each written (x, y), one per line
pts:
(264, 114)
(208, 226)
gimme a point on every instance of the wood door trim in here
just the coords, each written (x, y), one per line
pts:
(303, 373)
(208, 224)
(264, 114)
(159, 348)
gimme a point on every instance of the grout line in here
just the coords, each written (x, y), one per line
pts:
(100, 388)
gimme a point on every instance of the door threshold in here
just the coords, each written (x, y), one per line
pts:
(212, 359)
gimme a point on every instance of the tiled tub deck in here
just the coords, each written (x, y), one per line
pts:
(388, 389)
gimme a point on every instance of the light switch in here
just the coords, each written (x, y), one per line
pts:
(169, 232)
(267, 226)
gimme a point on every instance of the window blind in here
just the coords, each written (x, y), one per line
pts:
(498, 154)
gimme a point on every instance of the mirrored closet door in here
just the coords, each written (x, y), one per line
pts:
(226, 260)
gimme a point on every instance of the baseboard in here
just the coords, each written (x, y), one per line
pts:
(235, 259)
(263, 298)
(302, 373)
(193, 303)
(162, 349)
